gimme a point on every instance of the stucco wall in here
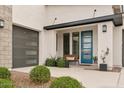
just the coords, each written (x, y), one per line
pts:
(67, 13)
(50, 44)
(32, 16)
(117, 61)
(118, 45)
(105, 40)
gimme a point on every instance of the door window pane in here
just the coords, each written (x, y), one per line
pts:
(87, 56)
(87, 45)
(86, 51)
(75, 43)
(86, 40)
(86, 34)
(66, 43)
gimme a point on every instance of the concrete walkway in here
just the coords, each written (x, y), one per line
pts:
(120, 83)
(89, 78)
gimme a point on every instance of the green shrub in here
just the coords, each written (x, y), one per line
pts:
(62, 63)
(40, 74)
(4, 73)
(6, 83)
(65, 82)
(50, 62)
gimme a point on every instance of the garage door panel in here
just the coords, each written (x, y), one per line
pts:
(25, 57)
(25, 47)
(25, 62)
(17, 48)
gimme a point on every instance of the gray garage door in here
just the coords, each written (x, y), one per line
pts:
(25, 47)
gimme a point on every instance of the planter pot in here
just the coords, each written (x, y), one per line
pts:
(95, 62)
(103, 67)
(56, 64)
(67, 64)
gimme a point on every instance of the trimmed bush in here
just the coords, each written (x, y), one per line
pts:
(40, 74)
(4, 73)
(6, 83)
(62, 63)
(65, 82)
(50, 62)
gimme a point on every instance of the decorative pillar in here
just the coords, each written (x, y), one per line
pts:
(105, 40)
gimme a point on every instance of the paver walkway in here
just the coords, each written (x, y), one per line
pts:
(89, 78)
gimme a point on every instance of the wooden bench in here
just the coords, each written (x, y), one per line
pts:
(71, 58)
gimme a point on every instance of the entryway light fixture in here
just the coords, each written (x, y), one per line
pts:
(104, 28)
(1, 23)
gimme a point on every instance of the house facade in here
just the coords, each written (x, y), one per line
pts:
(32, 33)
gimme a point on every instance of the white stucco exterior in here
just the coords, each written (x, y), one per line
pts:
(32, 16)
(37, 16)
(67, 13)
(105, 40)
(117, 57)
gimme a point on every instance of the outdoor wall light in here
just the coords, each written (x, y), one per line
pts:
(1, 23)
(104, 28)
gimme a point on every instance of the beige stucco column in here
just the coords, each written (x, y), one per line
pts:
(117, 46)
(105, 40)
(50, 43)
(41, 47)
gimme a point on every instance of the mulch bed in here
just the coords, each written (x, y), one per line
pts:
(22, 80)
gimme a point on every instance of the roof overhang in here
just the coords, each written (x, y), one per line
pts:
(116, 19)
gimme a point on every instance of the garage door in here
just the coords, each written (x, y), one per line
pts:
(25, 47)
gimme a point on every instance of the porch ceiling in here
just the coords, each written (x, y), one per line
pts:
(116, 19)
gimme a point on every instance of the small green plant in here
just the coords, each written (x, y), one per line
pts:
(6, 83)
(40, 74)
(95, 59)
(61, 62)
(65, 82)
(4, 73)
(50, 62)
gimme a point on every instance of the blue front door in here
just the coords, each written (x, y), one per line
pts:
(86, 47)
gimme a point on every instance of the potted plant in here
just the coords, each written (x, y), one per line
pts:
(95, 59)
(103, 66)
(61, 62)
(50, 62)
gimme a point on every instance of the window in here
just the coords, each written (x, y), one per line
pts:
(75, 43)
(66, 43)
(122, 8)
(56, 42)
